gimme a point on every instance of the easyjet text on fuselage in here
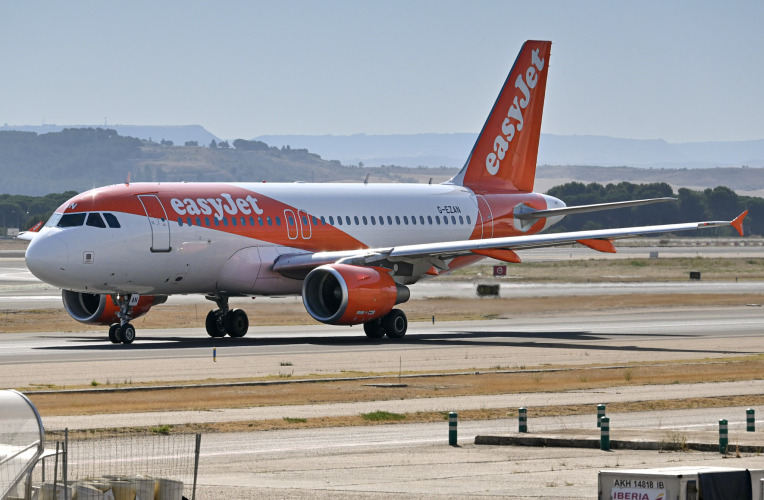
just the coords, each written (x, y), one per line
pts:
(226, 204)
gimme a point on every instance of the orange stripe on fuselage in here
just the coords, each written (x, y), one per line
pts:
(208, 201)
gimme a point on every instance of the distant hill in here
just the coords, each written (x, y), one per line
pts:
(178, 134)
(451, 150)
(80, 159)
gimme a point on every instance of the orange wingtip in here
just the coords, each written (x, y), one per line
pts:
(738, 222)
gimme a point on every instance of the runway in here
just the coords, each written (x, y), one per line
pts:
(570, 339)
(408, 460)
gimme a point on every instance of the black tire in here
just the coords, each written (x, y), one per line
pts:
(127, 333)
(373, 329)
(395, 324)
(214, 325)
(236, 323)
(114, 334)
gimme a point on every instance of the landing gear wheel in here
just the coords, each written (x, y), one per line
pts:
(395, 324)
(214, 325)
(127, 333)
(114, 334)
(236, 323)
(373, 329)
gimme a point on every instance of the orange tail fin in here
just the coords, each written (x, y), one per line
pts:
(504, 156)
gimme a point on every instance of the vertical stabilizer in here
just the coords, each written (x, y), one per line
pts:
(504, 155)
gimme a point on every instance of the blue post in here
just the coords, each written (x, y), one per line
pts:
(452, 422)
(600, 413)
(605, 434)
(723, 439)
(523, 419)
(215, 354)
(750, 420)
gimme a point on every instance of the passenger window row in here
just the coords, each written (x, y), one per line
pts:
(233, 221)
(341, 220)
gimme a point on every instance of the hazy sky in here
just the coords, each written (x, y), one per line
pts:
(677, 70)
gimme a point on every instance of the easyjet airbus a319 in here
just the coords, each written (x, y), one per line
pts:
(350, 250)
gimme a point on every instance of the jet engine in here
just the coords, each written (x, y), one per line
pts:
(100, 309)
(342, 294)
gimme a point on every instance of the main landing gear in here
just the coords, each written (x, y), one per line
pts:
(224, 321)
(122, 332)
(394, 324)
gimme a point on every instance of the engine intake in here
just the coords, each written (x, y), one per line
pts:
(342, 294)
(99, 309)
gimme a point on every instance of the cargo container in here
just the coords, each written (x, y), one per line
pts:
(681, 483)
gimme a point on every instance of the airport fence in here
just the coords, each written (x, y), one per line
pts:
(157, 466)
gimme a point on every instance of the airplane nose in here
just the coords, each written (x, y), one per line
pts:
(47, 257)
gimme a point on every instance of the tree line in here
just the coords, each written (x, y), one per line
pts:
(719, 203)
(21, 211)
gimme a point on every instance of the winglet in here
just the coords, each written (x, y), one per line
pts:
(30, 233)
(738, 222)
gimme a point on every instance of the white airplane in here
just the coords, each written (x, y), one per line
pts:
(350, 250)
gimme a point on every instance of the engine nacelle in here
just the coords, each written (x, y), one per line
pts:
(99, 309)
(341, 294)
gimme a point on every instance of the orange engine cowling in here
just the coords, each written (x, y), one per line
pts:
(100, 309)
(341, 294)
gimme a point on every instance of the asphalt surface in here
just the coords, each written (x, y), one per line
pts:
(412, 460)
(415, 461)
(617, 337)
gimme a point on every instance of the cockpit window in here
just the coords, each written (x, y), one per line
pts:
(111, 220)
(53, 221)
(71, 220)
(95, 220)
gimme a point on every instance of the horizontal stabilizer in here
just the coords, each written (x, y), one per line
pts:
(527, 213)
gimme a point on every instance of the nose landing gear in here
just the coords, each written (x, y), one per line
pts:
(123, 332)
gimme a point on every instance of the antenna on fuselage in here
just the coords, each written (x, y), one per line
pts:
(127, 181)
(366, 180)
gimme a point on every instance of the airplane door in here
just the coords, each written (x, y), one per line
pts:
(486, 216)
(160, 226)
(291, 224)
(305, 227)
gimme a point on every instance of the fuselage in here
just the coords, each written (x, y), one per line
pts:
(177, 238)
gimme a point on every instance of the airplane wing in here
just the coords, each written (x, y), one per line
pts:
(500, 248)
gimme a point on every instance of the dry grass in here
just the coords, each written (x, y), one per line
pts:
(417, 417)
(206, 398)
